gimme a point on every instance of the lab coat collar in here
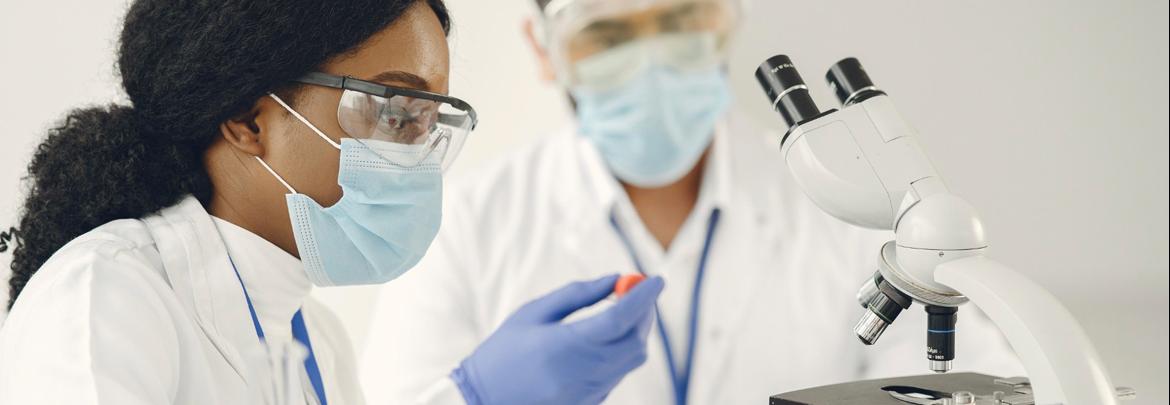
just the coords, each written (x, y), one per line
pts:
(198, 270)
(275, 279)
(611, 198)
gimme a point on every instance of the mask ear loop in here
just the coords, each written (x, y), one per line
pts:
(303, 120)
(277, 176)
(307, 123)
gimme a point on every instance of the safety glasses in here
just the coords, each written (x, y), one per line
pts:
(422, 126)
(599, 43)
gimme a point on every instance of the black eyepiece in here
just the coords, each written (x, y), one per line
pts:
(850, 83)
(786, 90)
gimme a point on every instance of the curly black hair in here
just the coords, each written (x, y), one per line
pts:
(187, 66)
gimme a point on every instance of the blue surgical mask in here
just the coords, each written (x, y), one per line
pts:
(652, 129)
(382, 225)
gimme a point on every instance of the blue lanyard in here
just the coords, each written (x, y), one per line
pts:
(679, 380)
(300, 333)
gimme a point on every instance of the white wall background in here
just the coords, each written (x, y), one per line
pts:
(1051, 116)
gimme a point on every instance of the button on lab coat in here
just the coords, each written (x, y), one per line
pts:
(149, 311)
(777, 300)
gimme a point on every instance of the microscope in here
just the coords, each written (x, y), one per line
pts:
(862, 164)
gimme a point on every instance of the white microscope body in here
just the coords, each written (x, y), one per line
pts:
(862, 165)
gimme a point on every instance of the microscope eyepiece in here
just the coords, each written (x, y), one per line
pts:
(786, 90)
(850, 83)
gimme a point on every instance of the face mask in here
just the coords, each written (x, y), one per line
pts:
(652, 129)
(382, 225)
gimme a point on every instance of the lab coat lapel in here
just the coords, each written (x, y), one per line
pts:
(728, 290)
(587, 191)
(590, 240)
(593, 246)
(200, 273)
(599, 252)
(746, 236)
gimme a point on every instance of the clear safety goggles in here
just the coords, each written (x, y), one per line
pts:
(429, 127)
(598, 43)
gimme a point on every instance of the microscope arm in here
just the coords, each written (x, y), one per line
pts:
(1061, 362)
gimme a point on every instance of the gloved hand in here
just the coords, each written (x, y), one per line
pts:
(534, 358)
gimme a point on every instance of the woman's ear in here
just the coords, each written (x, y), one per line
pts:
(242, 132)
(546, 69)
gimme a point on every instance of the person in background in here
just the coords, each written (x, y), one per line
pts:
(167, 248)
(659, 174)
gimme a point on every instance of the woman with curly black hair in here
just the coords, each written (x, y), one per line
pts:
(166, 249)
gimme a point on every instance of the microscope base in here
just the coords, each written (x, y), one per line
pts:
(877, 392)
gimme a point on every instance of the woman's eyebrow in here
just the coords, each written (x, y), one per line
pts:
(411, 80)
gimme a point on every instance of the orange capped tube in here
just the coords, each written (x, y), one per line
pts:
(626, 283)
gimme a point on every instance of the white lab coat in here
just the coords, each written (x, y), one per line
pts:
(149, 311)
(777, 304)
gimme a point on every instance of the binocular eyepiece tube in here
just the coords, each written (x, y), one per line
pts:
(850, 83)
(786, 90)
(789, 95)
